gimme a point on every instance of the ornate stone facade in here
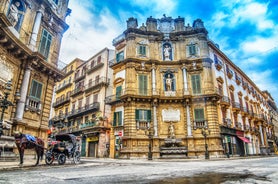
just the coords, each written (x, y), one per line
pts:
(30, 37)
(166, 93)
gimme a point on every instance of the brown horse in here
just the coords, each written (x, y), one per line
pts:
(22, 143)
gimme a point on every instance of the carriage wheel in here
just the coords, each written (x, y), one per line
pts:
(62, 159)
(49, 158)
(76, 157)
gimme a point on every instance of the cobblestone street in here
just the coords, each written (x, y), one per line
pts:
(250, 170)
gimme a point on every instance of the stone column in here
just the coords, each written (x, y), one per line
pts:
(35, 31)
(153, 80)
(155, 134)
(188, 119)
(23, 93)
(185, 87)
(261, 134)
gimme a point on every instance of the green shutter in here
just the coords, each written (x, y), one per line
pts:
(142, 50)
(45, 43)
(143, 84)
(196, 84)
(120, 122)
(149, 115)
(115, 119)
(36, 89)
(199, 114)
(117, 57)
(137, 114)
(118, 92)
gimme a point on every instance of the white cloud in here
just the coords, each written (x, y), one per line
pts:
(83, 39)
(259, 44)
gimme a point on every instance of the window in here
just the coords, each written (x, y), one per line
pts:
(98, 59)
(143, 84)
(87, 102)
(45, 43)
(196, 84)
(192, 49)
(36, 90)
(92, 63)
(119, 56)
(142, 50)
(199, 114)
(118, 92)
(143, 115)
(90, 82)
(95, 97)
(117, 119)
(97, 79)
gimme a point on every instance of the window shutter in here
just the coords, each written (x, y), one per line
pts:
(199, 114)
(149, 115)
(196, 84)
(117, 57)
(143, 84)
(137, 114)
(120, 123)
(115, 119)
(118, 92)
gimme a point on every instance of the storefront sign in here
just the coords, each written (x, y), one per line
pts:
(92, 139)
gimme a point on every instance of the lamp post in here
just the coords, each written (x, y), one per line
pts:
(5, 103)
(150, 154)
(205, 133)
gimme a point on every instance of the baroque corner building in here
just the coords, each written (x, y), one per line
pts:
(177, 95)
(30, 37)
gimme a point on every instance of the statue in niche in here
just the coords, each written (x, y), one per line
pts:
(171, 131)
(168, 82)
(14, 13)
(167, 52)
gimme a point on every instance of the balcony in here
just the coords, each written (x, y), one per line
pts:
(225, 101)
(236, 106)
(244, 110)
(238, 125)
(33, 104)
(218, 64)
(63, 86)
(77, 91)
(94, 68)
(238, 80)
(230, 73)
(102, 81)
(246, 128)
(77, 78)
(244, 85)
(61, 102)
(86, 125)
(227, 122)
(84, 110)
(200, 124)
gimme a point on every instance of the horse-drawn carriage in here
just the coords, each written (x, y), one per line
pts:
(63, 146)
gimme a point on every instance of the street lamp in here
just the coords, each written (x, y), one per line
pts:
(205, 133)
(5, 103)
(150, 136)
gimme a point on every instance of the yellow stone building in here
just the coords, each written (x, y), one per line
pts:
(30, 38)
(63, 89)
(174, 97)
(79, 103)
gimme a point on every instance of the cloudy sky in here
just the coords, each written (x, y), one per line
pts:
(246, 30)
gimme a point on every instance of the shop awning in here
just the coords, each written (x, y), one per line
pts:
(244, 139)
